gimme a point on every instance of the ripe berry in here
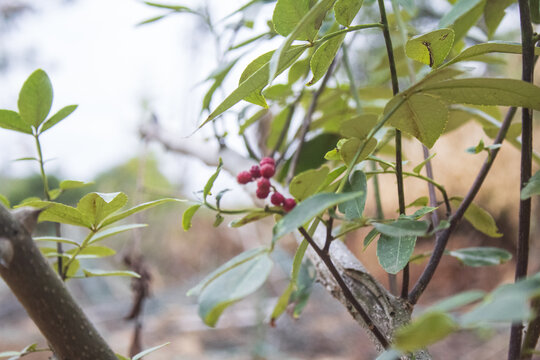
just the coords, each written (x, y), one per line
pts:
(267, 160)
(262, 192)
(277, 199)
(243, 177)
(263, 184)
(255, 172)
(268, 170)
(289, 204)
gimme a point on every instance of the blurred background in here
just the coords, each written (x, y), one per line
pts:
(125, 76)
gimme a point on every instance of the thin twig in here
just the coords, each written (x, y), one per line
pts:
(522, 256)
(346, 291)
(285, 130)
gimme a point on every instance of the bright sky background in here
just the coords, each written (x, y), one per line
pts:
(98, 58)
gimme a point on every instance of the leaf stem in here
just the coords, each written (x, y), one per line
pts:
(344, 31)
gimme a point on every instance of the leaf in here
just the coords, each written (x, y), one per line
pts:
(351, 147)
(35, 98)
(283, 300)
(56, 118)
(308, 182)
(431, 48)
(323, 58)
(394, 252)
(359, 126)
(4, 201)
(121, 357)
(298, 70)
(73, 184)
(425, 330)
(256, 96)
(218, 77)
(391, 354)
(458, 300)
(97, 272)
(188, 215)
(256, 82)
(420, 166)
(463, 15)
(148, 351)
(313, 151)
(308, 209)
(152, 19)
(97, 206)
(91, 252)
(170, 7)
(346, 10)
(250, 217)
(124, 214)
(421, 201)
(103, 234)
(402, 227)
(56, 239)
(532, 187)
(479, 218)
(60, 213)
(353, 209)
(233, 284)
(494, 13)
(210, 182)
(370, 237)
(252, 120)
(11, 120)
(481, 256)
(488, 47)
(311, 20)
(10, 353)
(276, 127)
(287, 14)
(422, 116)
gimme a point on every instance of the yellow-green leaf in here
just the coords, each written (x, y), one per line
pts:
(431, 48)
(346, 10)
(479, 218)
(323, 57)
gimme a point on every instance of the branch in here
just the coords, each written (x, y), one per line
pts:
(41, 292)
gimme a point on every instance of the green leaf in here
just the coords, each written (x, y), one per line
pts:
(287, 14)
(420, 166)
(11, 120)
(481, 256)
(276, 127)
(188, 215)
(250, 217)
(219, 219)
(308, 182)
(425, 330)
(391, 354)
(489, 47)
(252, 120)
(351, 146)
(479, 218)
(10, 353)
(431, 48)
(298, 70)
(464, 15)
(494, 13)
(148, 351)
(103, 234)
(359, 126)
(323, 58)
(233, 284)
(56, 239)
(61, 213)
(346, 10)
(310, 23)
(97, 206)
(121, 357)
(457, 301)
(422, 116)
(394, 252)
(152, 19)
(256, 96)
(403, 227)
(56, 118)
(124, 214)
(97, 272)
(353, 209)
(35, 98)
(73, 184)
(219, 75)
(421, 201)
(283, 300)
(92, 252)
(370, 237)
(210, 182)
(532, 187)
(308, 209)
(256, 82)
(313, 151)
(4, 201)
(170, 7)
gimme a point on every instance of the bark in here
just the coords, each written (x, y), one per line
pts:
(71, 336)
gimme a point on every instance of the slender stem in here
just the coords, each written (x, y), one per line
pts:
(442, 238)
(79, 249)
(532, 333)
(352, 83)
(285, 130)
(522, 256)
(346, 291)
(329, 237)
(344, 31)
(307, 119)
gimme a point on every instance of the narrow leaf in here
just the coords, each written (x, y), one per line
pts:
(353, 209)
(124, 214)
(489, 47)
(56, 239)
(457, 301)
(532, 187)
(479, 218)
(103, 234)
(323, 58)
(425, 330)
(463, 16)
(97, 272)
(73, 184)
(481, 256)
(35, 98)
(59, 116)
(402, 227)
(210, 183)
(250, 217)
(188, 215)
(148, 351)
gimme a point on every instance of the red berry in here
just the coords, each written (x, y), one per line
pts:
(243, 177)
(277, 199)
(255, 172)
(262, 193)
(267, 160)
(268, 170)
(289, 204)
(263, 184)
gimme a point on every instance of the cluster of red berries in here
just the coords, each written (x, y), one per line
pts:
(264, 171)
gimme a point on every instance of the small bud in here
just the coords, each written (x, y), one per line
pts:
(262, 193)
(263, 183)
(268, 170)
(267, 160)
(289, 204)
(277, 199)
(255, 172)
(243, 177)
